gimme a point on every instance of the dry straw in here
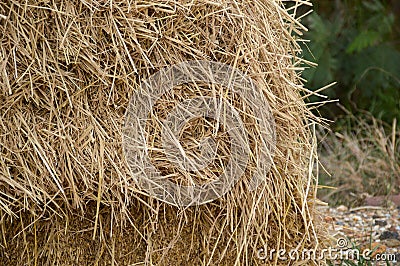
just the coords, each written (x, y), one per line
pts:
(67, 71)
(362, 162)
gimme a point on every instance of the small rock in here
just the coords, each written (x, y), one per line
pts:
(375, 236)
(376, 216)
(393, 229)
(329, 219)
(389, 235)
(340, 223)
(342, 208)
(380, 222)
(392, 243)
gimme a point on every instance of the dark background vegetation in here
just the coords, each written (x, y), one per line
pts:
(356, 43)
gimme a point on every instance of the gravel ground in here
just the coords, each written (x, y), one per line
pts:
(368, 227)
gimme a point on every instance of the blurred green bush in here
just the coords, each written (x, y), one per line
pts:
(356, 43)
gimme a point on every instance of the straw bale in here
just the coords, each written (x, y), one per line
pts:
(68, 69)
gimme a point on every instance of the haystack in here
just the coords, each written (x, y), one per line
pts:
(69, 196)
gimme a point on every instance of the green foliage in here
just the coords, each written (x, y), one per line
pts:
(355, 45)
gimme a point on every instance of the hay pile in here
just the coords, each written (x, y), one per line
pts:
(68, 70)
